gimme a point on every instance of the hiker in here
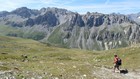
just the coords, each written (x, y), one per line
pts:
(117, 62)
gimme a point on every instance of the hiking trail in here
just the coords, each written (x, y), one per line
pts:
(105, 73)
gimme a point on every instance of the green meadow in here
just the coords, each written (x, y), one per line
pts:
(26, 58)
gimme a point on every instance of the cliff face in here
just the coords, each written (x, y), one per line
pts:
(93, 31)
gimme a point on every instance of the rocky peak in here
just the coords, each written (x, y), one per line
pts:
(119, 18)
(56, 10)
(3, 13)
(98, 19)
(53, 10)
(24, 12)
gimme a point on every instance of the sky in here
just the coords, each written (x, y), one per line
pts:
(80, 6)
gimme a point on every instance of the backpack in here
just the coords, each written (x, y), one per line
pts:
(119, 61)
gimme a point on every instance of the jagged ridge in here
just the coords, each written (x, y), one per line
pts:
(93, 31)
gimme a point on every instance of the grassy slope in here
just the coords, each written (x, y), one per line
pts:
(129, 55)
(56, 37)
(4, 30)
(51, 62)
(21, 32)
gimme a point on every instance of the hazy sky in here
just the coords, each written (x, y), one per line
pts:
(80, 6)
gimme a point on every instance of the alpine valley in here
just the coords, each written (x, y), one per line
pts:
(60, 27)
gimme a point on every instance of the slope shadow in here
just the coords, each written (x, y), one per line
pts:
(124, 71)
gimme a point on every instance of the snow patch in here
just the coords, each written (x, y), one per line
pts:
(139, 17)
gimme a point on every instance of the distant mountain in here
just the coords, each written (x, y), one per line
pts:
(93, 31)
(135, 17)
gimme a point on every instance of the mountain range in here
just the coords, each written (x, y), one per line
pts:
(60, 27)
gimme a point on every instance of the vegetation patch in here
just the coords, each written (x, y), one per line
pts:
(4, 68)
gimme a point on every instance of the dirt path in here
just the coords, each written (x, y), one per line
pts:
(104, 73)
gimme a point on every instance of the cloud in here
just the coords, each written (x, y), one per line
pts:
(13, 4)
(56, 3)
(108, 6)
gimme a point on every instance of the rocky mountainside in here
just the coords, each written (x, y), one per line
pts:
(93, 31)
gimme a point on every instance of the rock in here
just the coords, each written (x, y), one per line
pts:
(84, 75)
(24, 56)
(32, 78)
(74, 67)
(4, 53)
(56, 78)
